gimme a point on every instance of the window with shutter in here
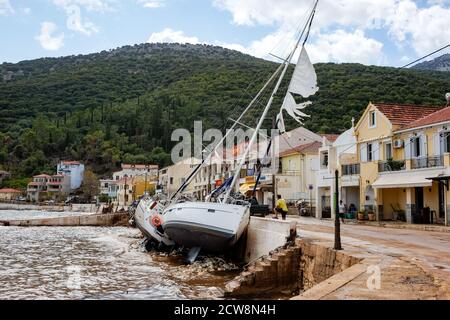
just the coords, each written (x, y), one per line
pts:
(437, 144)
(408, 148)
(446, 142)
(363, 152)
(416, 147)
(423, 145)
(388, 151)
(370, 152)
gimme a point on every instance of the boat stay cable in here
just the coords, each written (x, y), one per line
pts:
(204, 160)
(285, 65)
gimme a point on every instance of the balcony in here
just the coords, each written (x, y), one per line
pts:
(351, 169)
(391, 166)
(428, 162)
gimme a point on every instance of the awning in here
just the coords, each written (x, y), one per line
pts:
(406, 179)
(246, 187)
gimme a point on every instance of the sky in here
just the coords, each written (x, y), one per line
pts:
(378, 32)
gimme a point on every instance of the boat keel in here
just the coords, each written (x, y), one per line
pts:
(193, 254)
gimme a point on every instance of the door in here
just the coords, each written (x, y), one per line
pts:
(419, 206)
(441, 200)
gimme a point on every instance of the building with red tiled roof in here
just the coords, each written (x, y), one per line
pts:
(331, 137)
(403, 161)
(139, 166)
(9, 194)
(403, 114)
(45, 176)
(434, 118)
(305, 148)
(134, 170)
(299, 167)
(53, 186)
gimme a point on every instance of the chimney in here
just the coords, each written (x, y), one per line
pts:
(447, 96)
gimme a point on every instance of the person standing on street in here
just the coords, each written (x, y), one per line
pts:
(342, 210)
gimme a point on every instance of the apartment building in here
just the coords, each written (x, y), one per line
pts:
(404, 162)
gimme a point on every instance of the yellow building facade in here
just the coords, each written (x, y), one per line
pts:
(404, 162)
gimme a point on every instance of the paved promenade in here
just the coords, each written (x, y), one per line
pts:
(414, 264)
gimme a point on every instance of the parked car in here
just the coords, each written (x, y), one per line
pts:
(76, 199)
(257, 209)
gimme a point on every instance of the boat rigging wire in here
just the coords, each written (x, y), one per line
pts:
(439, 50)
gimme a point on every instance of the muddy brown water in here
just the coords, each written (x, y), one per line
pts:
(98, 263)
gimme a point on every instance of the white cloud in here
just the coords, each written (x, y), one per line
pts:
(5, 7)
(152, 4)
(341, 46)
(288, 12)
(424, 28)
(46, 38)
(172, 36)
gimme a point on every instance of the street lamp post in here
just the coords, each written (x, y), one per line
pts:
(337, 222)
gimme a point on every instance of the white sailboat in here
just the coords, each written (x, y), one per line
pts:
(148, 219)
(216, 227)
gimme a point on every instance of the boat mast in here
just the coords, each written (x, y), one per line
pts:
(286, 64)
(205, 160)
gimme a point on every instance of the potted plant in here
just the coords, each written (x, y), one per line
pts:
(372, 216)
(361, 215)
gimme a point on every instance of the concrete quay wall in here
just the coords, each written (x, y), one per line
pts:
(88, 208)
(94, 220)
(266, 235)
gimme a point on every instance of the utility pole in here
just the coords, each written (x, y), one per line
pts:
(337, 222)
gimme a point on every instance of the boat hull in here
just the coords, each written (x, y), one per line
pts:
(142, 218)
(214, 227)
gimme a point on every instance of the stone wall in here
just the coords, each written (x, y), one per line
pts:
(318, 263)
(297, 266)
(271, 274)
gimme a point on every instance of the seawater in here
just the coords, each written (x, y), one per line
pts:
(94, 263)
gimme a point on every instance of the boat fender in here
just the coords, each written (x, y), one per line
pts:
(157, 221)
(153, 205)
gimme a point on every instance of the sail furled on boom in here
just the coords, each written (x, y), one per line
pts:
(303, 83)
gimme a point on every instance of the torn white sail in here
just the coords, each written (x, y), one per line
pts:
(304, 83)
(280, 122)
(293, 109)
(304, 79)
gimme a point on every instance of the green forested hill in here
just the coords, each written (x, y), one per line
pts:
(123, 104)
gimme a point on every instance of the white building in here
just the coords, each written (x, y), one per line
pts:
(339, 155)
(73, 169)
(171, 178)
(134, 170)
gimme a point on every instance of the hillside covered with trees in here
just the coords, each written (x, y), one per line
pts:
(122, 105)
